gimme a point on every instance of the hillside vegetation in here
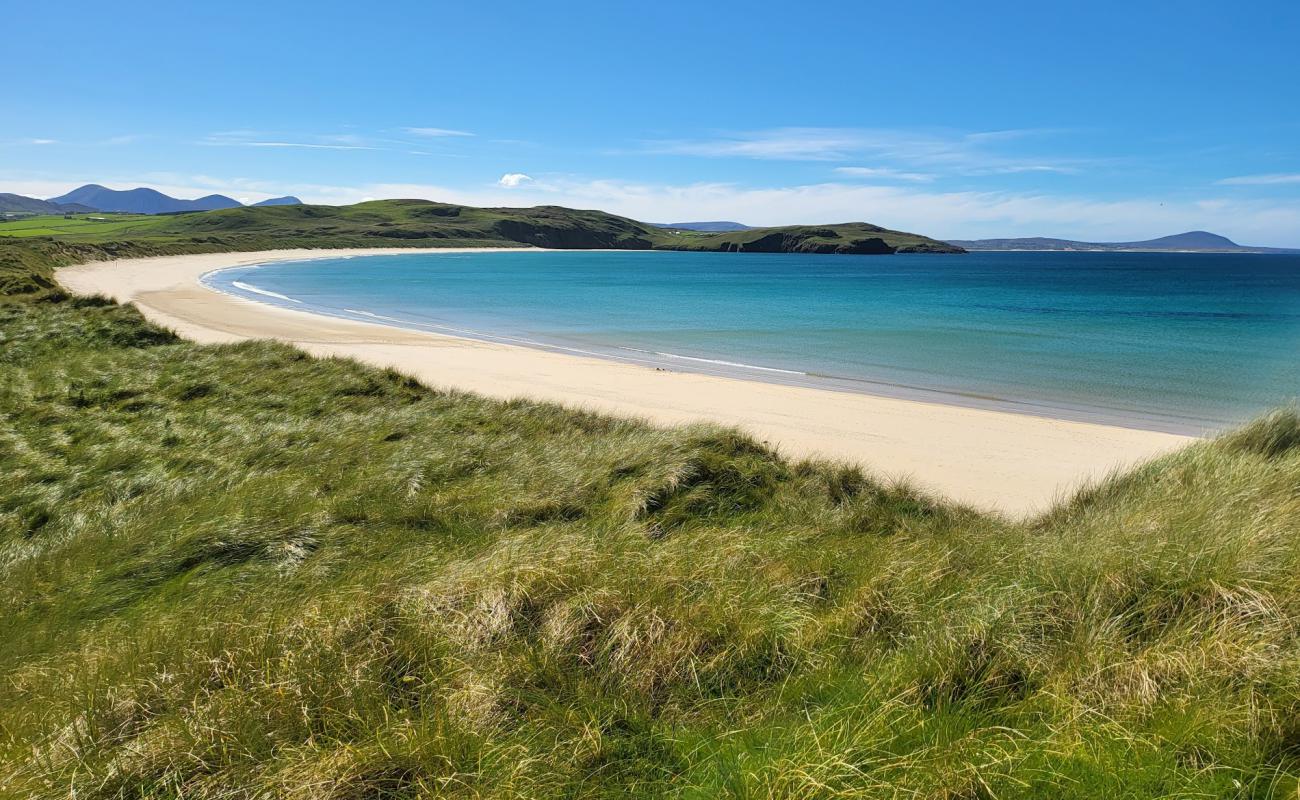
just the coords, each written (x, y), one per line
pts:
(852, 238)
(239, 571)
(420, 223)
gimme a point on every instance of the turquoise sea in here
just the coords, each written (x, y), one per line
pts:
(1181, 342)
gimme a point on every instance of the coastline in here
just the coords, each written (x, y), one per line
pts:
(1017, 463)
(1165, 421)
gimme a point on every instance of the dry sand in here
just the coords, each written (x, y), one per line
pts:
(1015, 463)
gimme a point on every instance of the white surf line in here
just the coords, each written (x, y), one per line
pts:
(1010, 406)
(577, 350)
(730, 363)
(250, 288)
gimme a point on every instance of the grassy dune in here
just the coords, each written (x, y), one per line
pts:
(239, 571)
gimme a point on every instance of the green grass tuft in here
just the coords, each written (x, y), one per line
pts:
(239, 571)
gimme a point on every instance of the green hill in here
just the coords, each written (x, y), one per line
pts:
(856, 238)
(421, 223)
(240, 571)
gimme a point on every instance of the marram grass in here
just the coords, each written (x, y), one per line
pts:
(240, 572)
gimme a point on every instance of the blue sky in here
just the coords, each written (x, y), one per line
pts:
(1103, 121)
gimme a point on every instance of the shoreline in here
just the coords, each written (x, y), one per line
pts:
(1015, 462)
(1163, 422)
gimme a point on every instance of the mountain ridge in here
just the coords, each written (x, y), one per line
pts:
(141, 200)
(719, 226)
(287, 200)
(19, 204)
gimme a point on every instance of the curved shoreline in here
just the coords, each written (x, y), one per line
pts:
(1163, 422)
(1014, 462)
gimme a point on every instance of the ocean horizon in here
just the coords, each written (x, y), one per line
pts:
(1180, 342)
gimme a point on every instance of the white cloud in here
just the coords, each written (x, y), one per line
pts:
(956, 215)
(1271, 179)
(955, 153)
(42, 141)
(511, 180)
(884, 173)
(304, 145)
(256, 139)
(436, 132)
(795, 144)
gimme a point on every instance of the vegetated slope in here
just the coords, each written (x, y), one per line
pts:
(421, 223)
(857, 238)
(242, 571)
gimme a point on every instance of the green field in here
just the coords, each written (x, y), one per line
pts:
(240, 571)
(96, 226)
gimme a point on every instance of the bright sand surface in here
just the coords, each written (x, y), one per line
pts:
(1015, 463)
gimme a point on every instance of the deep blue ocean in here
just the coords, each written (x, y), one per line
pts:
(1185, 342)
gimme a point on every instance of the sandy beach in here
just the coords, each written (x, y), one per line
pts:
(1015, 463)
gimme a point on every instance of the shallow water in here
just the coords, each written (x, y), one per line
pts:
(1183, 342)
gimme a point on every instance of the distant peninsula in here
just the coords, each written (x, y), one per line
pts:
(1189, 242)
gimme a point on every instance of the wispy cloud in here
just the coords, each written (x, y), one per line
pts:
(109, 142)
(512, 180)
(1269, 179)
(884, 173)
(305, 145)
(436, 132)
(256, 139)
(978, 153)
(944, 214)
(792, 144)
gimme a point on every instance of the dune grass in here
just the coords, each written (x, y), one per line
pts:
(239, 571)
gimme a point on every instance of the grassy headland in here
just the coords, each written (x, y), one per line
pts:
(239, 571)
(389, 223)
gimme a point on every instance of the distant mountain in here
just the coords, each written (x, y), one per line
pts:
(141, 201)
(1192, 240)
(17, 204)
(706, 227)
(1196, 241)
(287, 200)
